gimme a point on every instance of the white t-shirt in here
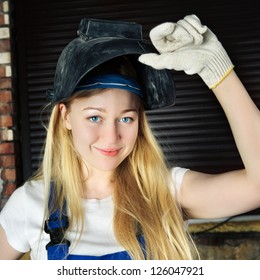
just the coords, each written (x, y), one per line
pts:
(22, 219)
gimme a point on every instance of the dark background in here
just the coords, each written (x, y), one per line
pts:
(194, 133)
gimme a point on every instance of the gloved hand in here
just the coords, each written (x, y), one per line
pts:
(189, 46)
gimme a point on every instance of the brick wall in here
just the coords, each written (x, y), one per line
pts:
(7, 155)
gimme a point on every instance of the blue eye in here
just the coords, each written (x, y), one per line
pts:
(126, 120)
(95, 119)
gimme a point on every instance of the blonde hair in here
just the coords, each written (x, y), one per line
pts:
(143, 201)
(145, 204)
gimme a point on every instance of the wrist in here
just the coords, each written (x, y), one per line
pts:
(217, 68)
(222, 79)
(229, 84)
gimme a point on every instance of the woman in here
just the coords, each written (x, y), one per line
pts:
(103, 170)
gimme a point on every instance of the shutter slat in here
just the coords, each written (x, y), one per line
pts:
(195, 133)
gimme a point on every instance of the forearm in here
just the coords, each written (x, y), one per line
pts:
(204, 55)
(244, 119)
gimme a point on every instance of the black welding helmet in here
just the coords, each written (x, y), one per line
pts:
(100, 41)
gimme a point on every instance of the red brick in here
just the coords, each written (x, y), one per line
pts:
(5, 71)
(6, 108)
(8, 174)
(7, 161)
(4, 45)
(5, 83)
(9, 188)
(2, 71)
(2, 20)
(6, 148)
(6, 121)
(5, 96)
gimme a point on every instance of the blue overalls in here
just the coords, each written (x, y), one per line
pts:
(58, 247)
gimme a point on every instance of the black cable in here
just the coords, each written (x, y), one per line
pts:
(216, 226)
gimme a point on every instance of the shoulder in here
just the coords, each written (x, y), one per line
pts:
(22, 215)
(177, 174)
(22, 196)
(34, 189)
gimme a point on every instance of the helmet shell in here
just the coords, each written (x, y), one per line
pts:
(101, 40)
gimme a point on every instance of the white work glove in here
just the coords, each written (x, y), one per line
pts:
(189, 46)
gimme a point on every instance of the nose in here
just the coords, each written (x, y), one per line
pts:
(111, 132)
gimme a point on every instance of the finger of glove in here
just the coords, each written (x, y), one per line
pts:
(196, 23)
(159, 34)
(208, 35)
(194, 28)
(163, 61)
(161, 31)
(197, 37)
(151, 59)
(169, 37)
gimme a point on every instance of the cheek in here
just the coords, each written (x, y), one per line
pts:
(83, 135)
(131, 136)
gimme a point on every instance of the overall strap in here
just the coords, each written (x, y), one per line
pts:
(55, 226)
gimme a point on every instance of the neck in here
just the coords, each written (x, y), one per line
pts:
(98, 184)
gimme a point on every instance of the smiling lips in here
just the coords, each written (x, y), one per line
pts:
(109, 152)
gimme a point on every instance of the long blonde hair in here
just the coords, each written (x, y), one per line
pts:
(145, 204)
(143, 200)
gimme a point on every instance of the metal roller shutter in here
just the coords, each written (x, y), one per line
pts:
(194, 133)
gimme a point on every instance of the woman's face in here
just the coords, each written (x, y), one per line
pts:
(104, 127)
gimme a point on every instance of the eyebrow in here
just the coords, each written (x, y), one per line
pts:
(103, 110)
(94, 108)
